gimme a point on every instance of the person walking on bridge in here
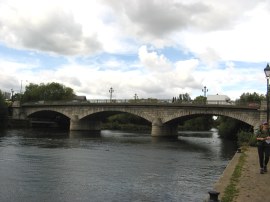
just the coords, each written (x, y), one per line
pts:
(263, 144)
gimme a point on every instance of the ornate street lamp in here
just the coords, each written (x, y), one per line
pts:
(135, 96)
(12, 91)
(111, 92)
(267, 74)
(204, 90)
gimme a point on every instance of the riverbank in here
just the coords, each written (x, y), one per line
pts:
(252, 186)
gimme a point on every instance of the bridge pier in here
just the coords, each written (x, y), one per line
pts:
(83, 124)
(17, 112)
(161, 130)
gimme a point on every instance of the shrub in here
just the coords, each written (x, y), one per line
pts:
(3, 112)
(246, 139)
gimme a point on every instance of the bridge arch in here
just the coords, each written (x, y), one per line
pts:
(90, 118)
(141, 114)
(248, 117)
(34, 111)
(48, 118)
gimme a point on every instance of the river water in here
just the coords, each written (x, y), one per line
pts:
(46, 165)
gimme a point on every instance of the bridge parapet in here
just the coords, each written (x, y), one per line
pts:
(146, 102)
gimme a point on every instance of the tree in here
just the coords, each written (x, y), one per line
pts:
(228, 127)
(33, 92)
(124, 118)
(182, 98)
(125, 121)
(202, 123)
(47, 92)
(199, 100)
(3, 111)
(246, 98)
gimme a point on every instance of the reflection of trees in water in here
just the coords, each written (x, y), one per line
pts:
(3, 133)
(45, 138)
(227, 148)
(188, 143)
(210, 144)
(84, 134)
(206, 134)
(193, 146)
(120, 137)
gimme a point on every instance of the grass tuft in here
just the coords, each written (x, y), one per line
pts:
(231, 190)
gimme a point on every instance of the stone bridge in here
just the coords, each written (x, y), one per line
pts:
(164, 117)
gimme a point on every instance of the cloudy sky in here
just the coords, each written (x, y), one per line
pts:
(154, 48)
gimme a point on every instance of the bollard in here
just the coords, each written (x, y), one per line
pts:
(213, 196)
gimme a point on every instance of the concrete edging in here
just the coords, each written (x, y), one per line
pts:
(224, 179)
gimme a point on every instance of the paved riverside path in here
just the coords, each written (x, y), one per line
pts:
(252, 186)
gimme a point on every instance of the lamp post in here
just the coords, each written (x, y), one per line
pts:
(111, 92)
(135, 96)
(204, 90)
(21, 90)
(267, 74)
(12, 91)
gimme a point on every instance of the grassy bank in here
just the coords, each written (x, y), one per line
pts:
(231, 190)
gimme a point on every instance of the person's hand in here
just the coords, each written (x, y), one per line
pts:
(268, 137)
(260, 138)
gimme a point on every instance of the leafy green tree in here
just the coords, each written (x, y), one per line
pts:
(182, 98)
(199, 100)
(17, 97)
(33, 92)
(3, 111)
(228, 127)
(124, 118)
(125, 121)
(246, 98)
(246, 138)
(202, 123)
(47, 92)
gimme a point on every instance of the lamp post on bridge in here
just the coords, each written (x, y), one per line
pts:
(267, 74)
(12, 91)
(111, 92)
(204, 90)
(21, 90)
(135, 97)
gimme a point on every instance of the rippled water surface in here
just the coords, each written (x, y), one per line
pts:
(40, 165)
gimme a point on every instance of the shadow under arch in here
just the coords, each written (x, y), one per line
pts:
(49, 119)
(118, 120)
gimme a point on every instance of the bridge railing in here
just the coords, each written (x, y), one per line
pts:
(132, 101)
(148, 102)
